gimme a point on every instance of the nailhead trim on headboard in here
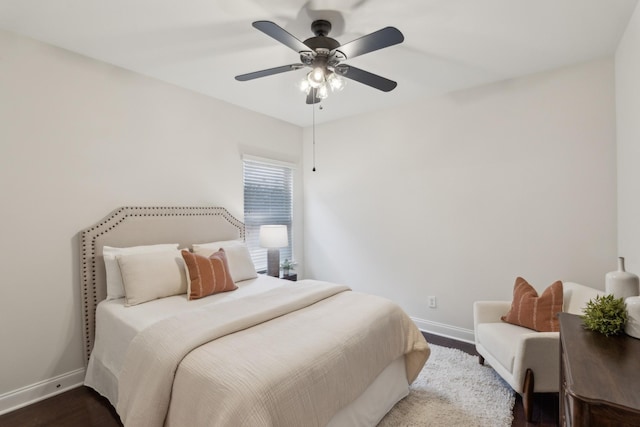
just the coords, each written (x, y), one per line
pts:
(88, 252)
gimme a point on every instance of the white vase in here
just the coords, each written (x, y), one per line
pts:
(621, 283)
(632, 328)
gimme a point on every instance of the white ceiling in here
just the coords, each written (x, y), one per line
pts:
(449, 44)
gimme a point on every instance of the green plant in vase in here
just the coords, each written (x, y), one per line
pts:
(605, 314)
(287, 266)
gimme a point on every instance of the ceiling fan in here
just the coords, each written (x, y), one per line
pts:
(324, 55)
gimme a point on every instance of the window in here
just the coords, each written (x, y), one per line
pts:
(268, 199)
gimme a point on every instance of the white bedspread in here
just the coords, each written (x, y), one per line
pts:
(117, 325)
(226, 365)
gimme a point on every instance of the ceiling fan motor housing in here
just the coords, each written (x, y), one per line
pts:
(321, 29)
(321, 46)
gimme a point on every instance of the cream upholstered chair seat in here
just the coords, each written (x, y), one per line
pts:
(526, 359)
(500, 338)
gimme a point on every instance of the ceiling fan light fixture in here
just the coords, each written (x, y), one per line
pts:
(336, 83)
(316, 77)
(304, 85)
(322, 92)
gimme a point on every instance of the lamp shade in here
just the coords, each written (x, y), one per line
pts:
(274, 236)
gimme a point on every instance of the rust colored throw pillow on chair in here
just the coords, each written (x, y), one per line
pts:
(529, 310)
(207, 275)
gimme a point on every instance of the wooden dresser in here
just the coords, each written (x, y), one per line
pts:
(599, 377)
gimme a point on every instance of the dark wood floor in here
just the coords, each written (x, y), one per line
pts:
(83, 407)
(78, 407)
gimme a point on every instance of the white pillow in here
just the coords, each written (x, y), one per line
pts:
(115, 288)
(238, 257)
(152, 275)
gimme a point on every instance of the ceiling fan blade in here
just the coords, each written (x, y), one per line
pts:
(277, 32)
(367, 78)
(311, 99)
(268, 72)
(380, 39)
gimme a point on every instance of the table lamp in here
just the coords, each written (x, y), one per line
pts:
(273, 237)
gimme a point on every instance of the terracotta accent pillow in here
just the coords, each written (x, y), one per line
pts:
(207, 276)
(529, 310)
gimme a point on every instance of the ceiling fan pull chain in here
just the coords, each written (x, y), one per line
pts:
(313, 107)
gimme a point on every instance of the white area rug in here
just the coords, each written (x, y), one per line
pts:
(453, 389)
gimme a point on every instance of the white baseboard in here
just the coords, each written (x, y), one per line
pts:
(444, 330)
(39, 391)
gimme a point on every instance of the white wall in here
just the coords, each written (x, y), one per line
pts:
(79, 138)
(628, 128)
(457, 196)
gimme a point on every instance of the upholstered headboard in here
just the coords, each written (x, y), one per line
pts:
(134, 226)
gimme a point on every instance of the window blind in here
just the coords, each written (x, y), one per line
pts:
(268, 195)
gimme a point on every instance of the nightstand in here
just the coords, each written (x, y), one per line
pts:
(293, 277)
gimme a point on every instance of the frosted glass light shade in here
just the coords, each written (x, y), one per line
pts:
(316, 77)
(335, 82)
(304, 85)
(322, 92)
(274, 236)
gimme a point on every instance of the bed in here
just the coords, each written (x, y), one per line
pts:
(266, 352)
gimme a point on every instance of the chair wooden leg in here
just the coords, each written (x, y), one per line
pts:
(481, 360)
(527, 395)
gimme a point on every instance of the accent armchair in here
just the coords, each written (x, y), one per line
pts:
(527, 360)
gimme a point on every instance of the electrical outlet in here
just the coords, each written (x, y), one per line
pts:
(432, 302)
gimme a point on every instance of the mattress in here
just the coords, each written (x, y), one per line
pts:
(117, 326)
